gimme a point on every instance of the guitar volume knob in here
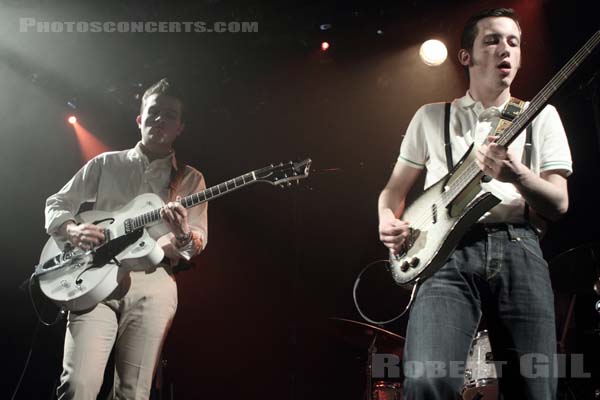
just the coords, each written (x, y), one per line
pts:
(414, 262)
(404, 266)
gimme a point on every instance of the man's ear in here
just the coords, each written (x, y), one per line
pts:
(464, 58)
(138, 119)
(181, 128)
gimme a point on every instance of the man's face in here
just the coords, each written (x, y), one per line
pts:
(160, 122)
(496, 55)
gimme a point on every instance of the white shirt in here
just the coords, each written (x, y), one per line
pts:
(112, 179)
(423, 147)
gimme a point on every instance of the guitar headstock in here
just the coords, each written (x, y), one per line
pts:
(284, 173)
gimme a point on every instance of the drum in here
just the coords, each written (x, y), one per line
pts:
(481, 378)
(387, 391)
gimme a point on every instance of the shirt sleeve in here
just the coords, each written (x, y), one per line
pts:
(554, 151)
(413, 150)
(193, 182)
(82, 187)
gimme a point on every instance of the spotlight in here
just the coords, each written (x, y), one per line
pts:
(324, 46)
(72, 119)
(433, 52)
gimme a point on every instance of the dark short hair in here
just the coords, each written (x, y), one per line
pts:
(470, 30)
(166, 88)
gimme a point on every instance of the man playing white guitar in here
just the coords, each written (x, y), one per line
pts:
(136, 317)
(497, 267)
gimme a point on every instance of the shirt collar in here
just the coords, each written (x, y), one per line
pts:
(168, 159)
(469, 102)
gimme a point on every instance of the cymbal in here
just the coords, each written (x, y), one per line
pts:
(576, 270)
(361, 334)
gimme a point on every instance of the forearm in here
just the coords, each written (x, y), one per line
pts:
(548, 197)
(390, 205)
(62, 206)
(190, 247)
(57, 215)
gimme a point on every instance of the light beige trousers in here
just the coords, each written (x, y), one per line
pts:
(135, 320)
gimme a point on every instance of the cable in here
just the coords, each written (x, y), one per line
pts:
(40, 321)
(59, 316)
(35, 332)
(362, 314)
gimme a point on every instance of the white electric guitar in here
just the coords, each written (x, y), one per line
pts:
(447, 209)
(78, 279)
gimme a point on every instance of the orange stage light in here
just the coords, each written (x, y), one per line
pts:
(89, 145)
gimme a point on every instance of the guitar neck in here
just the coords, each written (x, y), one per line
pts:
(541, 99)
(195, 199)
(518, 124)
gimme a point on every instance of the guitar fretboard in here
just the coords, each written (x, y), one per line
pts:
(192, 200)
(535, 106)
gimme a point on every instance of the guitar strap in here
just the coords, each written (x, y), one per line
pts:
(447, 144)
(513, 108)
(527, 160)
(175, 180)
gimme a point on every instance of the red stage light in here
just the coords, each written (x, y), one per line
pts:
(324, 46)
(72, 119)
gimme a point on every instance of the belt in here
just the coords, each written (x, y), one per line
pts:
(483, 229)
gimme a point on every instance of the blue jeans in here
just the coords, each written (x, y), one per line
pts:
(497, 270)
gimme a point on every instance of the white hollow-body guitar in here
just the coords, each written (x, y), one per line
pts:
(78, 279)
(440, 217)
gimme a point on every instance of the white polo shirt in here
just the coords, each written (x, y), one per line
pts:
(423, 147)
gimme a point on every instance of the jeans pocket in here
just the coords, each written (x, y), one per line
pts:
(532, 247)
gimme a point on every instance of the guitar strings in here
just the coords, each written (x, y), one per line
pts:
(471, 171)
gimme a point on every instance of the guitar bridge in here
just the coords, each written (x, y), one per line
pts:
(413, 236)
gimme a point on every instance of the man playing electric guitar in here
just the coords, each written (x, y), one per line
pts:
(497, 268)
(136, 317)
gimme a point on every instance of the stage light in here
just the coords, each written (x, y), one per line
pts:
(433, 52)
(324, 46)
(72, 119)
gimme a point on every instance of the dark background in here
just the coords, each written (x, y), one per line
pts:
(252, 317)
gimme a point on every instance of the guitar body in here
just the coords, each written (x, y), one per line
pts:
(437, 229)
(78, 283)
